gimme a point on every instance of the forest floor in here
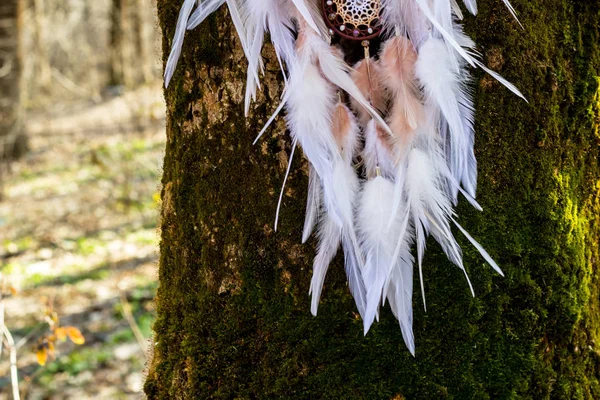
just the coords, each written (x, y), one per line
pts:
(78, 236)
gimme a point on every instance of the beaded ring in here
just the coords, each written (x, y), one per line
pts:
(353, 19)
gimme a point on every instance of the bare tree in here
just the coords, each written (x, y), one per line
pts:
(13, 142)
(118, 40)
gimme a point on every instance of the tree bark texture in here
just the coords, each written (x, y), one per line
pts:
(12, 140)
(233, 306)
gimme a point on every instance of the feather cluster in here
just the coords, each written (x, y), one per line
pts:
(409, 118)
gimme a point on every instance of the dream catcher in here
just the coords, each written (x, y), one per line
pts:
(389, 138)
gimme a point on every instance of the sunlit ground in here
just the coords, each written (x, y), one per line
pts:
(78, 234)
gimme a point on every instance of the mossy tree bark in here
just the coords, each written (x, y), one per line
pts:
(233, 307)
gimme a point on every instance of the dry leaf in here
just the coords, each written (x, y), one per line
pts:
(75, 335)
(61, 334)
(42, 356)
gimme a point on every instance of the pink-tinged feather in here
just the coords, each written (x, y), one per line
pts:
(398, 59)
(368, 78)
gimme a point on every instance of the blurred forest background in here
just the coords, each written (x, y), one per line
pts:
(81, 148)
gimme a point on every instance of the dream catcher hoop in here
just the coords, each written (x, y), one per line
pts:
(353, 19)
(409, 118)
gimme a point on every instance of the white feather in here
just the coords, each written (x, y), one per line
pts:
(399, 295)
(378, 240)
(182, 20)
(441, 19)
(329, 235)
(446, 89)
(330, 232)
(448, 37)
(479, 248)
(345, 192)
(376, 154)
(471, 6)
(313, 203)
(512, 11)
(309, 109)
(307, 11)
(276, 17)
(336, 71)
(287, 174)
(429, 205)
(341, 187)
(403, 17)
(456, 10)
(205, 8)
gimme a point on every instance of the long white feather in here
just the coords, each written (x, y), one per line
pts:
(341, 185)
(479, 248)
(182, 20)
(378, 240)
(446, 89)
(448, 37)
(205, 8)
(512, 11)
(309, 109)
(336, 71)
(377, 153)
(456, 10)
(442, 21)
(307, 12)
(313, 203)
(429, 204)
(404, 18)
(471, 6)
(276, 17)
(329, 235)
(399, 295)
(287, 174)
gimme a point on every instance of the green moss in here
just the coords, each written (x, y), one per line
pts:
(233, 310)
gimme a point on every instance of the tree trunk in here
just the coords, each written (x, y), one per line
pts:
(13, 142)
(233, 306)
(142, 41)
(118, 39)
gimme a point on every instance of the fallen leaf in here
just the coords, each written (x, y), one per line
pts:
(61, 334)
(42, 356)
(75, 335)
